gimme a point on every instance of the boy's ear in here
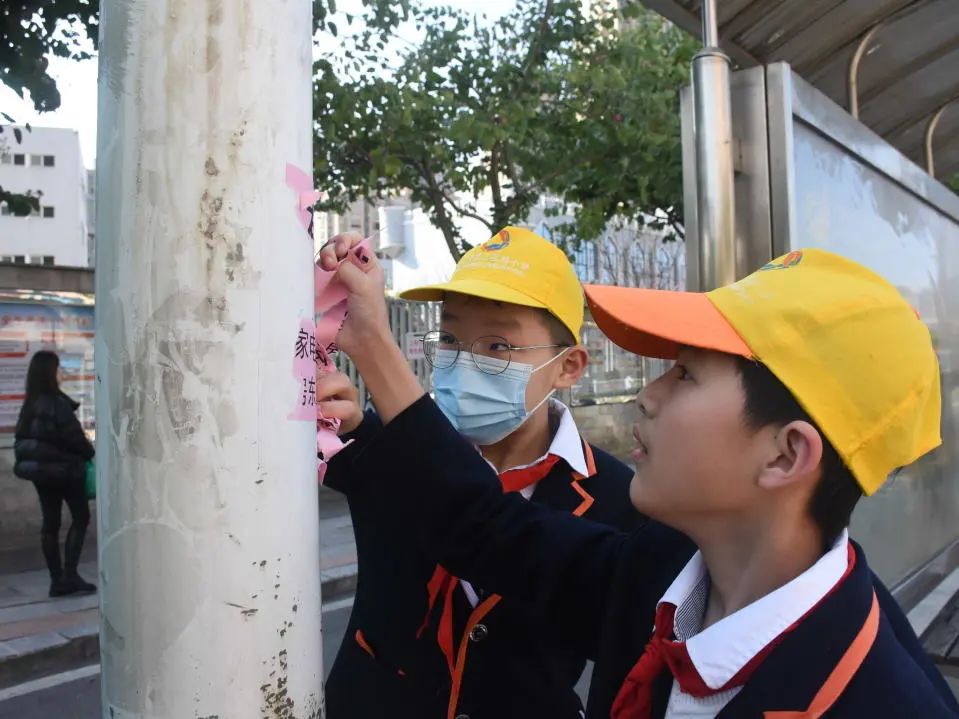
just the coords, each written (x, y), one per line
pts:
(795, 452)
(573, 364)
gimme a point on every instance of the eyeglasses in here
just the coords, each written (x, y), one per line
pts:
(491, 347)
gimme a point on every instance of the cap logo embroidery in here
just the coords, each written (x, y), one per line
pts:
(790, 260)
(500, 242)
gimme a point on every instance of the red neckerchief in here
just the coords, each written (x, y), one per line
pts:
(443, 583)
(635, 697)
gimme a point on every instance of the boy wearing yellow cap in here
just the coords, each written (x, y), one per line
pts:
(422, 643)
(795, 390)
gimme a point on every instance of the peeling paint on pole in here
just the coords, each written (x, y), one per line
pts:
(208, 518)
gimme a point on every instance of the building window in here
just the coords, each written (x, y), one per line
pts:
(49, 160)
(48, 212)
(4, 210)
(5, 158)
(19, 260)
(48, 260)
(34, 212)
(19, 159)
(36, 160)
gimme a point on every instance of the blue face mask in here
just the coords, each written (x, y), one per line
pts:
(485, 408)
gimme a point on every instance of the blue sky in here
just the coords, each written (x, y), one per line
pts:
(77, 82)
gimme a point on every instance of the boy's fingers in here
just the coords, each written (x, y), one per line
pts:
(336, 385)
(339, 409)
(328, 258)
(337, 248)
(352, 277)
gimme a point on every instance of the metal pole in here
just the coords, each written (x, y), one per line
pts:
(930, 131)
(710, 25)
(853, 78)
(714, 158)
(209, 553)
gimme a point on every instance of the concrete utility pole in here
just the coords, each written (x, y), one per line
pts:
(209, 556)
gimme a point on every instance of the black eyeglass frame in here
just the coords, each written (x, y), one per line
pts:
(434, 335)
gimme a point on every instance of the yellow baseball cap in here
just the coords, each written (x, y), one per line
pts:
(519, 267)
(842, 339)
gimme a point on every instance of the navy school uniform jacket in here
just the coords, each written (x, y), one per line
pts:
(597, 588)
(512, 665)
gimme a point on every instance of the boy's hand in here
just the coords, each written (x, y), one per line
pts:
(367, 322)
(340, 400)
(365, 335)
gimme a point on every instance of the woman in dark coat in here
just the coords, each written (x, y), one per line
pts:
(51, 451)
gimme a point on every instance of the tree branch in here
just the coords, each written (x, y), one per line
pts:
(442, 219)
(467, 213)
(537, 40)
(494, 185)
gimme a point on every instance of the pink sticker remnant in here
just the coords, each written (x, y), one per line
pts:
(302, 183)
(309, 198)
(304, 371)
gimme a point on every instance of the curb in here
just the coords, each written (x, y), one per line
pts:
(39, 655)
(337, 582)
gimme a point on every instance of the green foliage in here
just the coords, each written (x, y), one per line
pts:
(30, 30)
(543, 101)
(21, 204)
(953, 183)
(622, 151)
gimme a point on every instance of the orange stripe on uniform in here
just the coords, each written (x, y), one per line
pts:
(484, 608)
(476, 617)
(843, 672)
(361, 640)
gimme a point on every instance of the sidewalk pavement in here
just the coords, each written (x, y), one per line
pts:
(41, 636)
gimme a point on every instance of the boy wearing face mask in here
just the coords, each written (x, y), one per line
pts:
(512, 313)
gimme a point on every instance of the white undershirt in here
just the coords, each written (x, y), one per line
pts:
(567, 445)
(723, 649)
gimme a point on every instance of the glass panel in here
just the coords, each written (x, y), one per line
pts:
(844, 205)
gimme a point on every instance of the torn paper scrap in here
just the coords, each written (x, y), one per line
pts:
(329, 293)
(331, 303)
(302, 184)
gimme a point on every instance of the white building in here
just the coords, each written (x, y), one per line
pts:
(47, 160)
(411, 250)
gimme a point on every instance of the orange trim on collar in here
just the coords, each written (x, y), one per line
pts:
(587, 499)
(842, 674)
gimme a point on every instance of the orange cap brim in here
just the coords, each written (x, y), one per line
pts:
(656, 323)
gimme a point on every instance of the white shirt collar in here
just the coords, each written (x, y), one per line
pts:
(722, 650)
(567, 443)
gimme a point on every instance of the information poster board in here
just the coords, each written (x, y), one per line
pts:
(64, 329)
